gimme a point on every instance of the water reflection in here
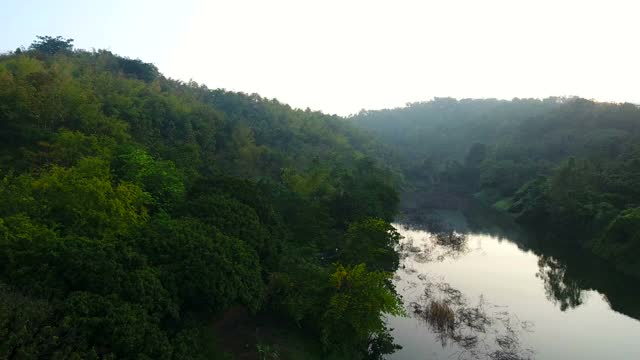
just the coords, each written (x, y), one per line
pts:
(458, 279)
(559, 288)
(568, 273)
(481, 330)
(438, 247)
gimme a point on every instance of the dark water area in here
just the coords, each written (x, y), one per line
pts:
(476, 286)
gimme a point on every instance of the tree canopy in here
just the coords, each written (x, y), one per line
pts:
(136, 209)
(568, 166)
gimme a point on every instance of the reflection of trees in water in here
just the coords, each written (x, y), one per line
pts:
(435, 247)
(559, 288)
(482, 330)
(451, 244)
(562, 268)
(567, 276)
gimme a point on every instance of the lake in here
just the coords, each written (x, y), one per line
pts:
(477, 292)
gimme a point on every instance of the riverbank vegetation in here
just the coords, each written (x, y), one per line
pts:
(567, 168)
(135, 210)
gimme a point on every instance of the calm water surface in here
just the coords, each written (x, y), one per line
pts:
(510, 300)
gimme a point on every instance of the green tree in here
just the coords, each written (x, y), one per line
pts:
(372, 242)
(356, 308)
(84, 200)
(160, 178)
(204, 268)
(52, 45)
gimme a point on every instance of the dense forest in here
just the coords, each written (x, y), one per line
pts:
(567, 168)
(136, 210)
(143, 217)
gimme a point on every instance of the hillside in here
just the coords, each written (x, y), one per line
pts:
(135, 210)
(568, 168)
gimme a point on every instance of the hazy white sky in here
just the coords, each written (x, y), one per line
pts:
(342, 56)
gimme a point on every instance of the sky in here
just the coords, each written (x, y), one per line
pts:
(344, 56)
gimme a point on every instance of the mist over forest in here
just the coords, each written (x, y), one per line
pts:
(569, 164)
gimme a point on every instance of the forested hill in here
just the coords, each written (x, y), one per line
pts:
(568, 167)
(135, 210)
